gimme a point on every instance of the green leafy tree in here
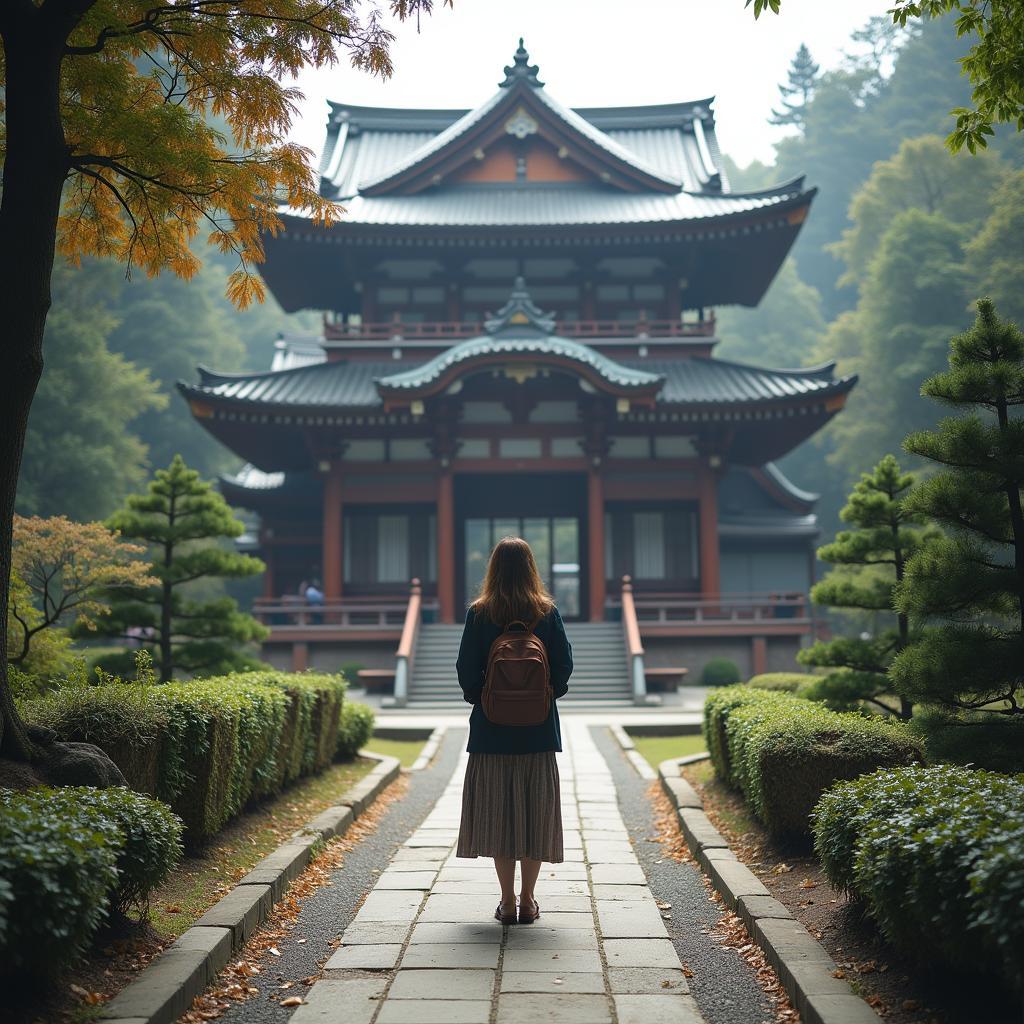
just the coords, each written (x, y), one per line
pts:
(870, 559)
(796, 93)
(913, 299)
(922, 175)
(83, 451)
(992, 65)
(971, 581)
(995, 256)
(110, 148)
(182, 519)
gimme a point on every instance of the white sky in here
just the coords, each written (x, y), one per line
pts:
(603, 53)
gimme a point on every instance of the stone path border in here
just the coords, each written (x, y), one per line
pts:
(639, 762)
(430, 748)
(805, 969)
(165, 989)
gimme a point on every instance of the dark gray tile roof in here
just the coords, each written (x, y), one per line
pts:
(351, 384)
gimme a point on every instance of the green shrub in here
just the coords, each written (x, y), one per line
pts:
(718, 707)
(55, 873)
(720, 672)
(350, 671)
(937, 856)
(122, 718)
(205, 747)
(150, 845)
(979, 739)
(785, 754)
(356, 730)
(783, 682)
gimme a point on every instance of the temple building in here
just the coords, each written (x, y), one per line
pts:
(518, 338)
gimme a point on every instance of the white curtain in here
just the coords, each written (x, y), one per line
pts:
(393, 549)
(649, 545)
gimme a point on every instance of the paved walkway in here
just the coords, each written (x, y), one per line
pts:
(424, 947)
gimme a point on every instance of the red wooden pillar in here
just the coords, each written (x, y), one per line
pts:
(758, 655)
(445, 545)
(595, 533)
(332, 541)
(710, 581)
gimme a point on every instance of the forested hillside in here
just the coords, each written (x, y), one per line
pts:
(902, 237)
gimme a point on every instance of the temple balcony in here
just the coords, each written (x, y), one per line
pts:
(443, 331)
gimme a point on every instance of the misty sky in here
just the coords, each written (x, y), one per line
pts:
(603, 53)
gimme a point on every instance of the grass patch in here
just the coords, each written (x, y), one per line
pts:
(729, 805)
(203, 878)
(405, 750)
(660, 748)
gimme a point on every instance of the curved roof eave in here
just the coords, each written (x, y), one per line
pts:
(486, 346)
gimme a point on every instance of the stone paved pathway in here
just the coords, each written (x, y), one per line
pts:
(424, 947)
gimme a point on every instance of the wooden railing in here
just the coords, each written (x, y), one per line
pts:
(350, 613)
(702, 610)
(634, 648)
(407, 644)
(450, 330)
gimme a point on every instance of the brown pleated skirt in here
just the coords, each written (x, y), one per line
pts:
(511, 807)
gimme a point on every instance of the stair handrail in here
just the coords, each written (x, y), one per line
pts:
(634, 648)
(407, 644)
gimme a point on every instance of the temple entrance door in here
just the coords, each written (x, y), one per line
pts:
(555, 541)
(546, 510)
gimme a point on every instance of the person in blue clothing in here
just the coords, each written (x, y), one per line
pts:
(511, 803)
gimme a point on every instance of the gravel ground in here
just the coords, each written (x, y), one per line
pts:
(723, 985)
(327, 914)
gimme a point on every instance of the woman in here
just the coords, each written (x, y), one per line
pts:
(511, 805)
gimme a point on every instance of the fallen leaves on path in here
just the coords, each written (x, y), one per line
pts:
(232, 984)
(730, 931)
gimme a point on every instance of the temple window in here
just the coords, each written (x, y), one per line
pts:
(519, 447)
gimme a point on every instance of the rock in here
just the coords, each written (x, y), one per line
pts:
(79, 764)
(41, 735)
(18, 775)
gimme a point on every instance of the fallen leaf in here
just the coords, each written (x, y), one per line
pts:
(274, 951)
(808, 883)
(292, 1001)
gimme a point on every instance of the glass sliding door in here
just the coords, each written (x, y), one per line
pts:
(556, 547)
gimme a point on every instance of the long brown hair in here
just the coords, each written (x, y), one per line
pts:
(512, 588)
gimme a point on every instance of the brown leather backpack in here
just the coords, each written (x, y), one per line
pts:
(517, 683)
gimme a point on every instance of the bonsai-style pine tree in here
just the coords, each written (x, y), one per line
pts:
(797, 91)
(973, 578)
(870, 560)
(182, 519)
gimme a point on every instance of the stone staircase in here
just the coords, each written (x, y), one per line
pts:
(600, 675)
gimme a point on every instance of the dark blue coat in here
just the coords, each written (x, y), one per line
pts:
(487, 738)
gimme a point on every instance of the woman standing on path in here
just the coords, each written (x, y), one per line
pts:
(511, 803)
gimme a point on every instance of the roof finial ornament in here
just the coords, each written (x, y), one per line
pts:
(521, 70)
(520, 315)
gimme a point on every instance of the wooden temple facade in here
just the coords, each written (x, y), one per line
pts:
(518, 338)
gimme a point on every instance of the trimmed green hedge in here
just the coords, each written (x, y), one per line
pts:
(718, 707)
(784, 682)
(979, 739)
(782, 752)
(206, 747)
(69, 855)
(355, 731)
(719, 672)
(937, 856)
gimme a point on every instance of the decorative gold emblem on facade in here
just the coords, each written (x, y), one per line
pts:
(520, 124)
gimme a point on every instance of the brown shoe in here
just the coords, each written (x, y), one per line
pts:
(529, 912)
(500, 915)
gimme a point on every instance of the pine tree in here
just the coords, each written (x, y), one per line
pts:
(796, 93)
(176, 515)
(973, 578)
(871, 560)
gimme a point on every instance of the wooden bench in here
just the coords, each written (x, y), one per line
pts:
(377, 680)
(663, 680)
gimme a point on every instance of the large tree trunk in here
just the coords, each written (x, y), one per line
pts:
(33, 176)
